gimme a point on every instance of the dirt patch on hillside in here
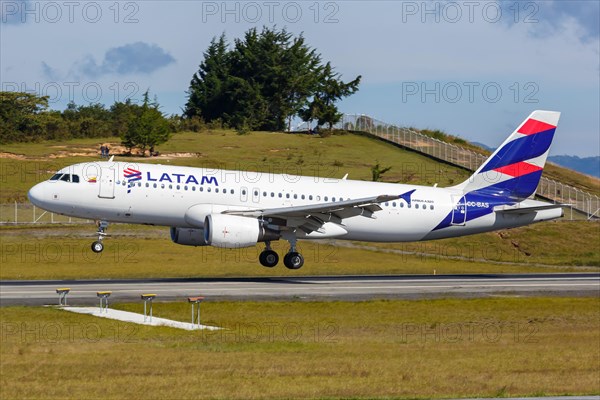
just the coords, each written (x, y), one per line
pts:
(60, 151)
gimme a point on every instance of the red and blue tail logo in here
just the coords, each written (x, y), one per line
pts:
(515, 168)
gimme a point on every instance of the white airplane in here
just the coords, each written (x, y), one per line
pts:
(234, 209)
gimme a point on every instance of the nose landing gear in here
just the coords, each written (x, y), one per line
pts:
(98, 246)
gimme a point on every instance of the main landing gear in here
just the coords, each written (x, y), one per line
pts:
(292, 260)
(98, 246)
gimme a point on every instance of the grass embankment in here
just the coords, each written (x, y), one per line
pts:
(63, 252)
(404, 349)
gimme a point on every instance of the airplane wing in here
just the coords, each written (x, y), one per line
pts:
(527, 209)
(312, 217)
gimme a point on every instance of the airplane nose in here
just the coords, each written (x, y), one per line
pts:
(36, 195)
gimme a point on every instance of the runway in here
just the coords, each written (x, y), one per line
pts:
(305, 288)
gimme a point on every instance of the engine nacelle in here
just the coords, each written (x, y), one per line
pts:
(232, 231)
(188, 237)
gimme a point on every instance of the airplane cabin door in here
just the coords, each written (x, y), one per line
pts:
(459, 212)
(107, 183)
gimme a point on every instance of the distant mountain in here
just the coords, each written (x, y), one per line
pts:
(586, 165)
(483, 146)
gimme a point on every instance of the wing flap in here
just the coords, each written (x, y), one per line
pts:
(311, 218)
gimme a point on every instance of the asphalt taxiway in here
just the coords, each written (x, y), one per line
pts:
(83, 292)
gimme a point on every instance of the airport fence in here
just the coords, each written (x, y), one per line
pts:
(550, 189)
(26, 213)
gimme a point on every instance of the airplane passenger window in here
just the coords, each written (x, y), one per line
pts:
(201, 189)
(154, 186)
(75, 178)
(431, 207)
(408, 205)
(272, 194)
(208, 190)
(185, 187)
(326, 198)
(318, 198)
(295, 196)
(231, 191)
(244, 192)
(217, 190)
(178, 187)
(417, 205)
(302, 197)
(394, 204)
(287, 195)
(139, 184)
(401, 205)
(387, 204)
(310, 197)
(147, 184)
(162, 185)
(280, 195)
(256, 192)
(264, 194)
(193, 188)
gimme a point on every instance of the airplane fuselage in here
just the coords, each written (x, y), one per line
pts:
(163, 194)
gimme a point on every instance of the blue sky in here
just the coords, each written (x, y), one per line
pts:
(474, 69)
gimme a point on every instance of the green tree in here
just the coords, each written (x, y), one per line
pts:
(207, 94)
(263, 81)
(329, 90)
(148, 129)
(18, 116)
(377, 172)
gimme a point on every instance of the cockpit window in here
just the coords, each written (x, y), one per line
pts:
(65, 178)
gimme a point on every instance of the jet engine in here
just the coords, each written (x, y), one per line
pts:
(188, 237)
(232, 231)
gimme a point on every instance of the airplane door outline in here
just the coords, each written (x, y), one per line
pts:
(107, 183)
(459, 211)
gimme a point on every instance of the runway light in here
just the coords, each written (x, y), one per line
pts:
(103, 300)
(62, 295)
(196, 316)
(148, 299)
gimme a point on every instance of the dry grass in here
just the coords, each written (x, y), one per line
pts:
(136, 252)
(405, 349)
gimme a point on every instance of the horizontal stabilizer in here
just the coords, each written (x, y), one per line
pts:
(526, 210)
